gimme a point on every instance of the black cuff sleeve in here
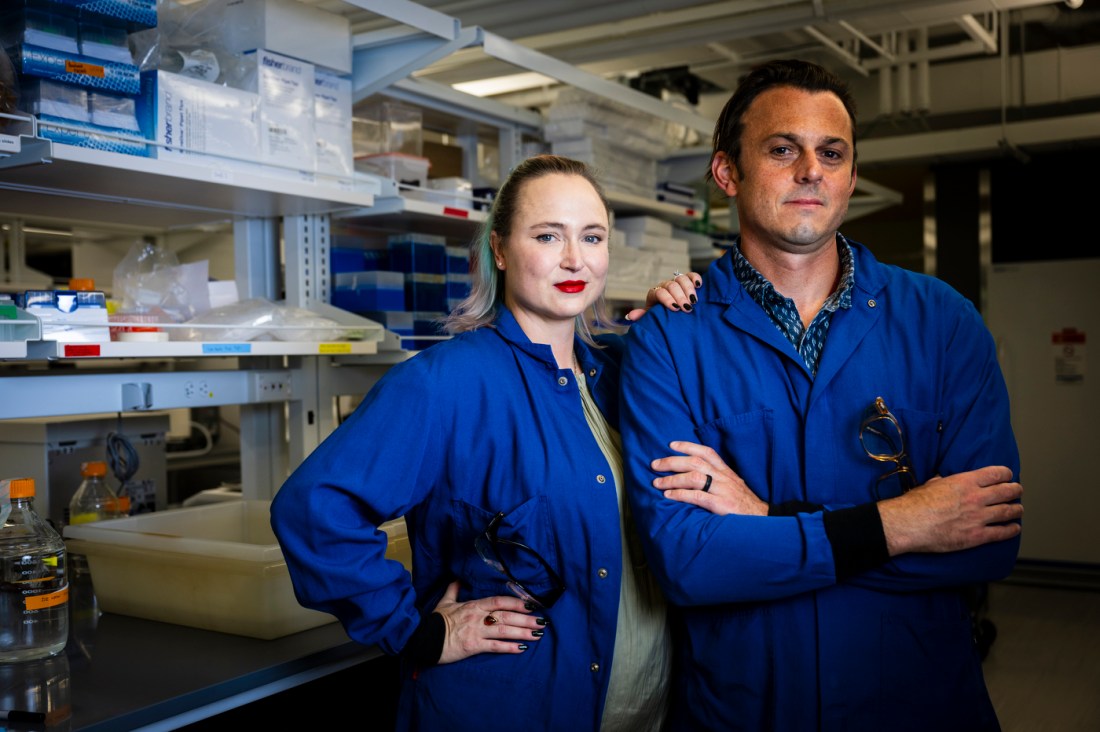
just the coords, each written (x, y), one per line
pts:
(425, 645)
(859, 542)
(791, 508)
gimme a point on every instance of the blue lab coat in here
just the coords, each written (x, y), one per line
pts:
(481, 423)
(767, 638)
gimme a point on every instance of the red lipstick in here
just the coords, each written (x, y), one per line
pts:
(571, 286)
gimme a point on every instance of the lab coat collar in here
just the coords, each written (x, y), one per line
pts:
(849, 326)
(509, 329)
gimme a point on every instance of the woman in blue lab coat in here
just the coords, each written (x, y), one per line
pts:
(529, 601)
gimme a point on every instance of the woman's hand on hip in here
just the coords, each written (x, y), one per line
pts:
(498, 624)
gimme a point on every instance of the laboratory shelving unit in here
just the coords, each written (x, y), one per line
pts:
(281, 221)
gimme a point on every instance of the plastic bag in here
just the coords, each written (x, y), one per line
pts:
(151, 279)
(259, 319)
(188, 41)
(307, 326)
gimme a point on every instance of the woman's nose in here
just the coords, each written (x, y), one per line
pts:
(571, 256)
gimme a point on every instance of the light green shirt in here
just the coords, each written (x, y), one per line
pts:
(637, 694)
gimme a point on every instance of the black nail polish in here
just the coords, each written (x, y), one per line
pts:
(542, 621)
(694, 299)
(675, 306)
(522, 646)
(529, 605)
(698, 283)
(537, 633)
(687, 308)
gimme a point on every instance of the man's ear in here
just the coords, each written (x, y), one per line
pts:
(724, 173)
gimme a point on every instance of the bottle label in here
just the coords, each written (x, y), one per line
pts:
(49, 599)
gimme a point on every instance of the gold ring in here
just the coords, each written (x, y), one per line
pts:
(490, 619)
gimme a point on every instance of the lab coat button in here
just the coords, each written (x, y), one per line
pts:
(872, 304)
(601, 479)
(562, 381)
(591, 372)
(594, 667)
(601, 573)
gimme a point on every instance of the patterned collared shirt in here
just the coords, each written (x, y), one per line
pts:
(809, 342)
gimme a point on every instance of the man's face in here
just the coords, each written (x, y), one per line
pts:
(796, 170)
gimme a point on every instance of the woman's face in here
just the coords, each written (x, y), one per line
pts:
(555, 259)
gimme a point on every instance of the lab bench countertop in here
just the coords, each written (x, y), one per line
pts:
(126, 673)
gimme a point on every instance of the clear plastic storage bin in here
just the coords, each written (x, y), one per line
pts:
(217, 567)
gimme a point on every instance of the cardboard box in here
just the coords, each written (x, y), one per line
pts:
(217, 567)
(69, 316)
(284, 86)
(287, 27)
(73, 68)
(332, 119)
(136, 14)
(189, 116)
(55, 99)
(92, 136)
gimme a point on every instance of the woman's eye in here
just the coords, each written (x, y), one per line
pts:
(593, 239)
(545, 238)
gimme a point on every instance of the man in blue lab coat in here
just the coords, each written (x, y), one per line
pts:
(859, 466)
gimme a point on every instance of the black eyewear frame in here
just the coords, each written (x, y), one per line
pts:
(493, 550)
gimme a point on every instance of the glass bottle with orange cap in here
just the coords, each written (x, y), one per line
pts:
(94, 500)
(34, 590)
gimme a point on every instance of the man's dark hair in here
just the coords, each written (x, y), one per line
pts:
(788, 72)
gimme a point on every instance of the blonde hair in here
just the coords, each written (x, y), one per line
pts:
(481, 307)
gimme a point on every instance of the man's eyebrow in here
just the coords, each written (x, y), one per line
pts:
(798, 140)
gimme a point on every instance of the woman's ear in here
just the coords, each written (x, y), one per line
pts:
(724, 173)
(495, 246)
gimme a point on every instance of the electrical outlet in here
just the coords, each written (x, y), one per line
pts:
(197, 389)
(270, 387)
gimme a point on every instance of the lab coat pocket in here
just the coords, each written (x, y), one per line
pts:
(921, 431)
(746, 442)
(487, 566)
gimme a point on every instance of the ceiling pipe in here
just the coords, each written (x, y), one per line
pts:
(885, 91)
(905, 104)
(923, 68)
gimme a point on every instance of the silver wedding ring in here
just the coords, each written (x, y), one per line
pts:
(677, 274)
